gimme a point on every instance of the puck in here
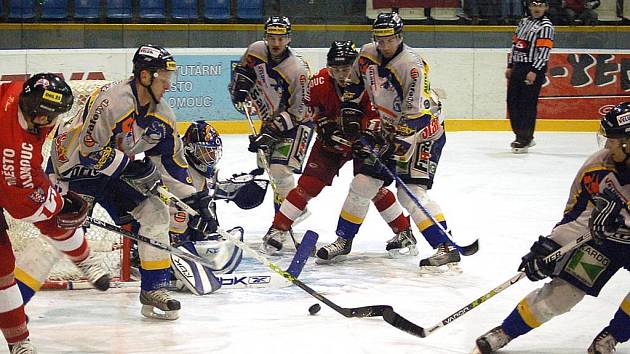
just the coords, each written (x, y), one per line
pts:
(314, 309)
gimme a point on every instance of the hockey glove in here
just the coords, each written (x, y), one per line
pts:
(206, 220)
(244, 80)
(606, 215)
(263, 141)
(351, 116)
(74, 212)
(142, 176)
(372, 140)
(533, 264)
(326, 129)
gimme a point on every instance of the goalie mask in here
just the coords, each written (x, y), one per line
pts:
(45, 95)
(203, 147)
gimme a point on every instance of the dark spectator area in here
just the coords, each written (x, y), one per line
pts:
(453, 12)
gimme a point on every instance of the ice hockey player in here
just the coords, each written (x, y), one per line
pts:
(597, 205)
(409, 140)
(30, 110)
(94, 156)
(323, 98)
(274, 78)
(203, 148)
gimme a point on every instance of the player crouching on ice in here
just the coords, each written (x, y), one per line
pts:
(598, 204)
(93, 156)
(30, 110)
(203, 149)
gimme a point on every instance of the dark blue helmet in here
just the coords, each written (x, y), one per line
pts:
(387, 24)
(45, 94)
(278, 25)
(153, 58)
(616, 123)
(341, 53)
(203, 147)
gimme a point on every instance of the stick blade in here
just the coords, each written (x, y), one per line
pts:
(471, 249)
(396, 320)
(304, 250)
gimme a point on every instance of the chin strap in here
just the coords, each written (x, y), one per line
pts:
(149, 88)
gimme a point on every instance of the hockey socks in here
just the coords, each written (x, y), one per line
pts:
(520, 321)
(619, 326)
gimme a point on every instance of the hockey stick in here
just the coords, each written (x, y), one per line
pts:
(403, 324)
(214, 282)
(263, 160)
(467, 250)
(363, 311)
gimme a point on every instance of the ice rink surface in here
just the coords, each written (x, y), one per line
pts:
(486, 192)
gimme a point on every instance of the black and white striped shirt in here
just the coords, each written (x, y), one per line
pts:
(531, 42)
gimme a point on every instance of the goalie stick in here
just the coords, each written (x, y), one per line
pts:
(363, 311)
(403, 324)
(466, 250)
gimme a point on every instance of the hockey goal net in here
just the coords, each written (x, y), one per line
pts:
(111, 247)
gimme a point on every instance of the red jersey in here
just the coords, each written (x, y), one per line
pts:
(25, 190)
(323, 97)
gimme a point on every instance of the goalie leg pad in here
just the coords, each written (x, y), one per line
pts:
(198, 279)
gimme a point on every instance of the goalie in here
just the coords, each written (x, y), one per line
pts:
(203, 149)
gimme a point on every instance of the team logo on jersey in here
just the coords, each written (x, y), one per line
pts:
(302, 80)
(587, 264)
(60, 151)
(88, 141)
(38, 196)
(180, 216)
(414, 73)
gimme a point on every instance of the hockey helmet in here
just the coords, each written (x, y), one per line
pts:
(153, 58)
(46, 94)
(387, 24)
(203, 147)
(616, 123)
(537, 2)
(341, 53)
(279, 25)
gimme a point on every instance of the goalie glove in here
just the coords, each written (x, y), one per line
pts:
(244, 190)
(244, 81)
(206, 220)
(533, 263)
(606, 215)
(73, 213)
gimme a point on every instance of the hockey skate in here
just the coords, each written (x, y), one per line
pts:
(159, 304)
(92, 268)
(22, 347)
(519, 147)
(402, 244)
(604, 343)
(273, 241)
(446, 255)
(334, 252)
(491, 341)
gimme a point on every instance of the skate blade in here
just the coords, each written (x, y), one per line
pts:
(153, 312)
(337, 259)
(404, 252)
(519, 150)
(447, 269)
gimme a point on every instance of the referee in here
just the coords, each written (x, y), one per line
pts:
(527, 65)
